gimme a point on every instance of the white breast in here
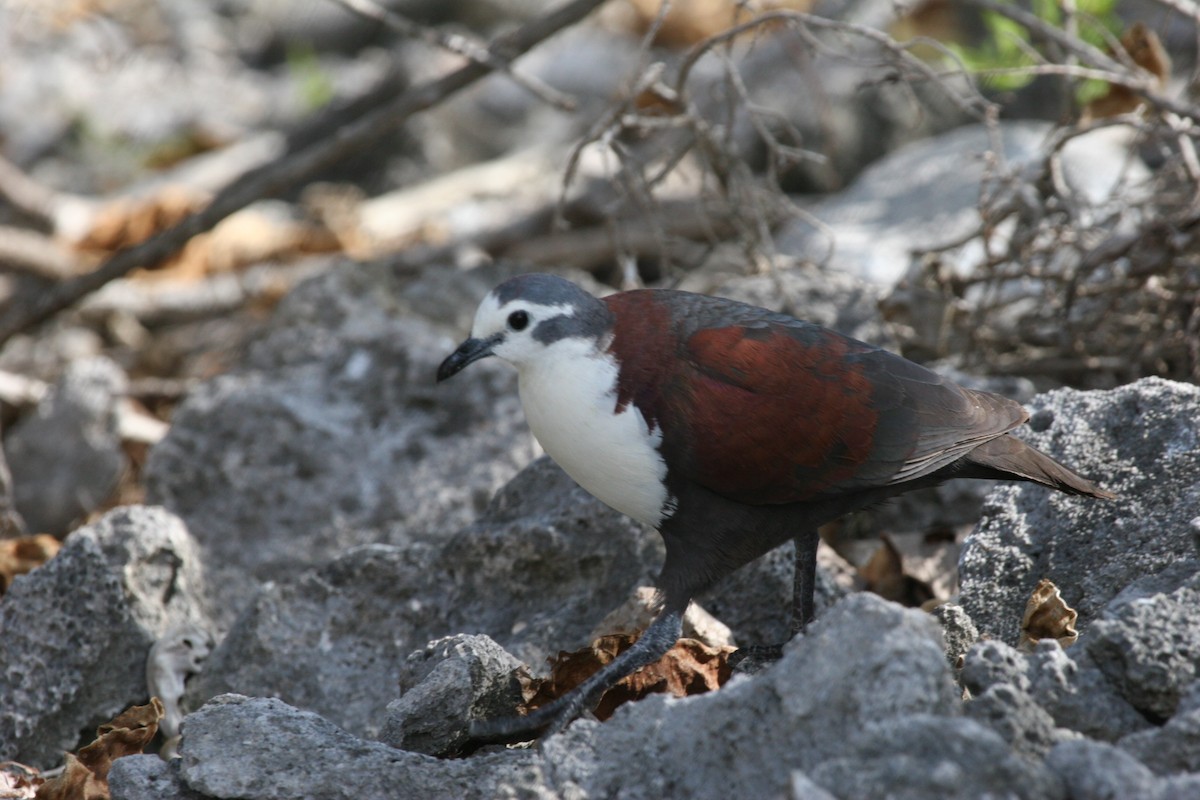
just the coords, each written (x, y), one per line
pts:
(570, 399)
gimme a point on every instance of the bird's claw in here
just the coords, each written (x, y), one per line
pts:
(541, 723)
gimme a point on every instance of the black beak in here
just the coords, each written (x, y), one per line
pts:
(467, 353)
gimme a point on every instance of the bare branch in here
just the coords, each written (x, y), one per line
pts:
(1185, 7)
(1102, 65)
(33, 252)
(51, 207)
(975, 105)
(460, 45)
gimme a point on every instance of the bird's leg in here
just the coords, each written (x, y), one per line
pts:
(804, 583)
(656, 640)
(804, 580)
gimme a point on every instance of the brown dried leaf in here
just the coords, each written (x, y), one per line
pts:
(18, 782)
(250, 237)
(1145, 49)
(123, 223)
(1047, 616)
(691, 21)
(86, 775)
(690, 667)
(653, 100)
(75, 782)
(18, 556)
(884, 574)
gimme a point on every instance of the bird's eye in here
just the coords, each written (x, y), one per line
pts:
(517, 320)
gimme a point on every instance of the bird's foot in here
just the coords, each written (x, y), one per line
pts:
(541, 723)
(553, 717)
(504, 730)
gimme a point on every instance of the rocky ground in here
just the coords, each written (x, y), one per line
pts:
(325, 565)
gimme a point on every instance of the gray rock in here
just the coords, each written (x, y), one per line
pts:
(866, 659)
(893, 207)
(1098, 771)
(66, 455)
(77, 630)
(1073, 690)
(1015, 715)
(148, 777)
(1141, 441)
(925, 195)
(958, 632)
(1174, 747)
(923, 756)
(846, 116)
(803, 788)
(1147, 641)
(1180, 787)
(1004, 698)
(861, 706)
(283, 753)
(991, 663)
(334, 434)
(1078, 695)
(45, 356)
(536, 574)
(449, 683)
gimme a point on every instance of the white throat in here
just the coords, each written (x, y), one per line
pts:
(570, 398)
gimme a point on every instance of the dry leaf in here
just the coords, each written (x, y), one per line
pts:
(1047, 616)
(691, 21)
(659, 101)
(18, 782)
(690, 667)
(250, 236)
(18, 556)
(1145, 49)
(85, 776)
(885, 576)
(75, 782)
(124, 223)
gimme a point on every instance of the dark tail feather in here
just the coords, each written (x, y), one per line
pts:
(1012, 458)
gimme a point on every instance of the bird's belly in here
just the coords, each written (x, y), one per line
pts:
(614, 456)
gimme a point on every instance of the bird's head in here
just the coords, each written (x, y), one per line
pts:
(526, 319)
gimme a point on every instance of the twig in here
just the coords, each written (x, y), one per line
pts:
(272, 178)
(30, 251)
(166, 303)
(643, 77)
(1185, 7)
(43, 203)
(459, 45)
(975, 106)
(25, 193)
(1105, 66)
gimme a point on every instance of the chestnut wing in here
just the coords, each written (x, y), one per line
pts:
(783, 411)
